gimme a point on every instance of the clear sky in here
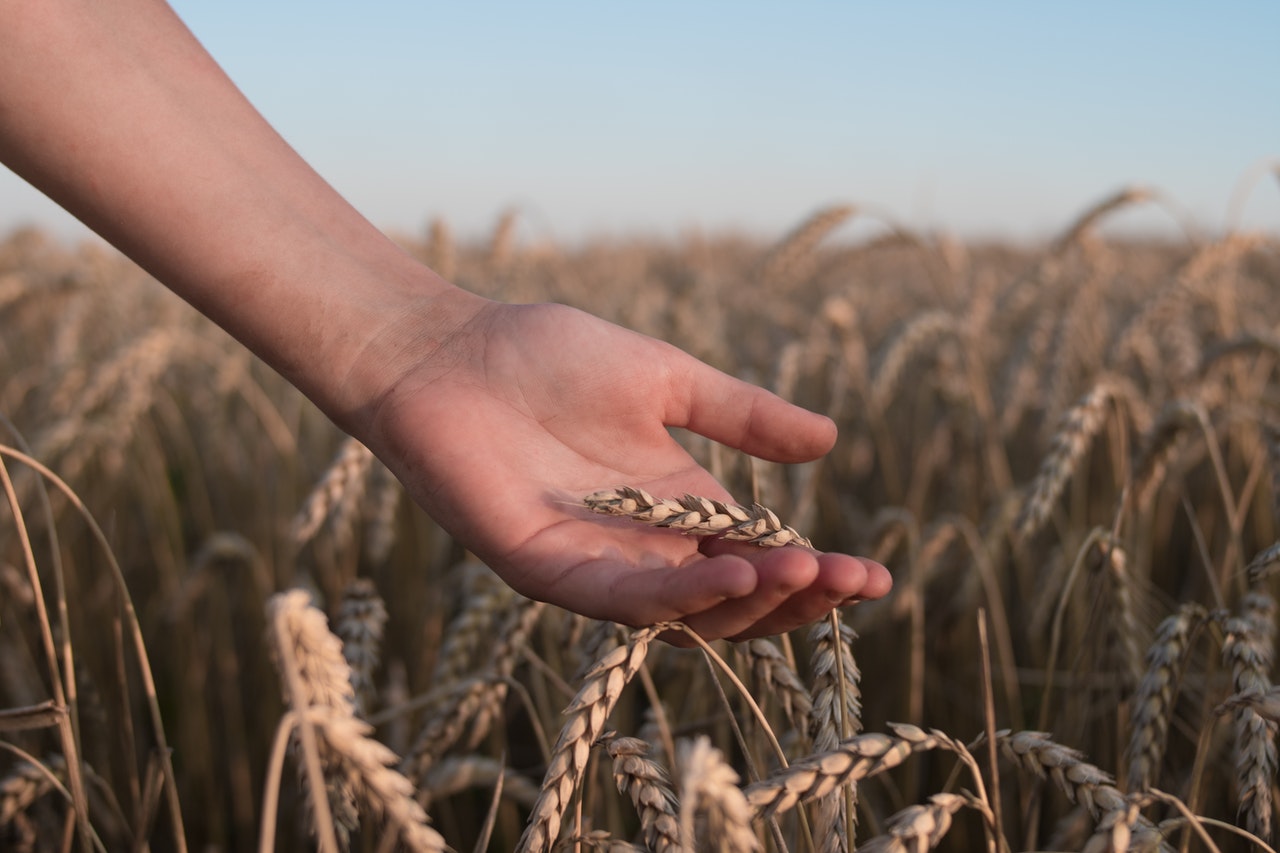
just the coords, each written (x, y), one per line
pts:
(982, 119)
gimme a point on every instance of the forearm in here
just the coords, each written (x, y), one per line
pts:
(116, 112)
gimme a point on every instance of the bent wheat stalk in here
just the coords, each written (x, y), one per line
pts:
(697, 516)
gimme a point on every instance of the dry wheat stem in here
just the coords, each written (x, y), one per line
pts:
(587, 713)
(697, 516)
(135, 632)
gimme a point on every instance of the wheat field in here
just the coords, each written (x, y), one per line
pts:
(223, 629)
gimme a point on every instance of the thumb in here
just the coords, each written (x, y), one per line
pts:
(743, 416)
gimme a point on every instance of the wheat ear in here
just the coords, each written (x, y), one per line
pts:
(362, 615)
(697, 516)
(587, 715)
(709, 787)
(477, 703)
(775, 677)
(337, 495)
(24, 784)
(646, 783)
(1249, 648)
(853, 760)
(1153, 702)
(917, 828)
(784, 262)
(343, 760)
(1082, 782)
(837, 716)
(1070, 443)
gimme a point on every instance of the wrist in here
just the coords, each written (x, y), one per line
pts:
(395, 325)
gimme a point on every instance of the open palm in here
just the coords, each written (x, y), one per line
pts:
(528, 408)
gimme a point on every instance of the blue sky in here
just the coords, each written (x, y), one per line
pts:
(982, 119)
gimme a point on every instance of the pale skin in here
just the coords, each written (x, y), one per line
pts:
(497, 418)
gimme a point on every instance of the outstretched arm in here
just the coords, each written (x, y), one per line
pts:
(497, 418)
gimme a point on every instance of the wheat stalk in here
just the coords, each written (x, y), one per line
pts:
(1082, 782)
(697, 516)
(587, 715)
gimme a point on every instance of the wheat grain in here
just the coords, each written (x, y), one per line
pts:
(24, 784)
(484, 602)
(1114, 831)
(1264, 564)
(1266, 703)
(1082, 782)
(380, 516)
(697, 516)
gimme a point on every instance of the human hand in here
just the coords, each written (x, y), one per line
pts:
(500, 431)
